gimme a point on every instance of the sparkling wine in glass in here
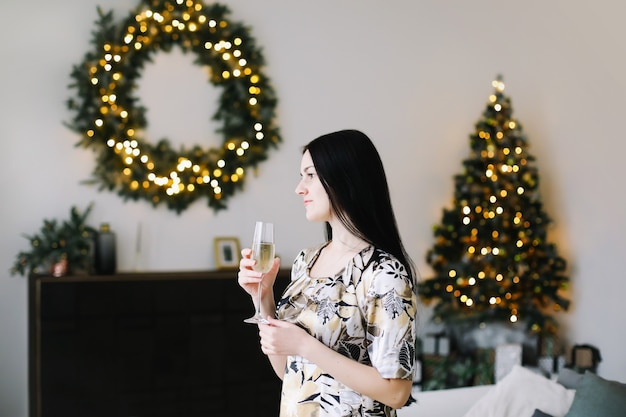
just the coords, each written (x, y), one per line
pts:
(263, 254)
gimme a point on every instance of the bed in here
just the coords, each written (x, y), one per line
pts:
(526, 393)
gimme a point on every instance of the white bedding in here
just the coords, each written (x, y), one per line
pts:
(444, 403)
(518, 394)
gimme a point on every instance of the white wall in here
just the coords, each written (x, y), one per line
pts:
(414, 75)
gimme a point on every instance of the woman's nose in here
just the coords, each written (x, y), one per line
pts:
(300, 188)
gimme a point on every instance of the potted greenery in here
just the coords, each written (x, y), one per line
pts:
(59, 247)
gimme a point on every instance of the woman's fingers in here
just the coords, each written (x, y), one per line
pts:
(247, 278)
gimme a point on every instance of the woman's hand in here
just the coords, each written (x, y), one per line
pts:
(249, 279)
(282, 338)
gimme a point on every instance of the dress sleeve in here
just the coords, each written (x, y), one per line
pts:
(390, 309)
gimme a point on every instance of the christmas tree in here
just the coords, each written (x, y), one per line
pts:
(491, 257)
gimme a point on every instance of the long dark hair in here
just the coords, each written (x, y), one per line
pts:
(351, 171)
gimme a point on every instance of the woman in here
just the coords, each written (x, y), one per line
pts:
(343, 335)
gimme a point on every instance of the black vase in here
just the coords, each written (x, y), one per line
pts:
(105, 261)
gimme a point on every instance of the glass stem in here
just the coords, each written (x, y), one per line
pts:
(258, 306)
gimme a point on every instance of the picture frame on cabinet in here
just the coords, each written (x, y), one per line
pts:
(227, 252)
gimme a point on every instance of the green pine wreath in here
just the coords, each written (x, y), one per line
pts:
(111, 119)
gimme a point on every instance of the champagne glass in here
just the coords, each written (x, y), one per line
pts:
(263, 254)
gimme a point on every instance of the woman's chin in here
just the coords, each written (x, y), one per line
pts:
(312, 217)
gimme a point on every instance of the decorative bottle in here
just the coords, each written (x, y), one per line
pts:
(105, 262)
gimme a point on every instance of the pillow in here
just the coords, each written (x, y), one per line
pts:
(520, 393)
(569, 378)
(596, 396)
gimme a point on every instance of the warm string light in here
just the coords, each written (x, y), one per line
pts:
(506, 183)
(129, 150)
(205, 31)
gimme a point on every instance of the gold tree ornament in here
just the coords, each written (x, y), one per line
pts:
(111, 119)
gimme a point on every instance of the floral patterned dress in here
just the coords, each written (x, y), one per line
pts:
(365, 312)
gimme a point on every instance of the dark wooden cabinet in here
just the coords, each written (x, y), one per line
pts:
(147, 345)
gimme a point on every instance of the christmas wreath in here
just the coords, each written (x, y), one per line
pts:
(111, 120)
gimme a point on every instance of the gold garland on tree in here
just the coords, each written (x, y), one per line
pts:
(111, 120)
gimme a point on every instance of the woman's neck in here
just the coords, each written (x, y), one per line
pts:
(346, 241)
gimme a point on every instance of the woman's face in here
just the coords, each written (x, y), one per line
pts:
(316, 201)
